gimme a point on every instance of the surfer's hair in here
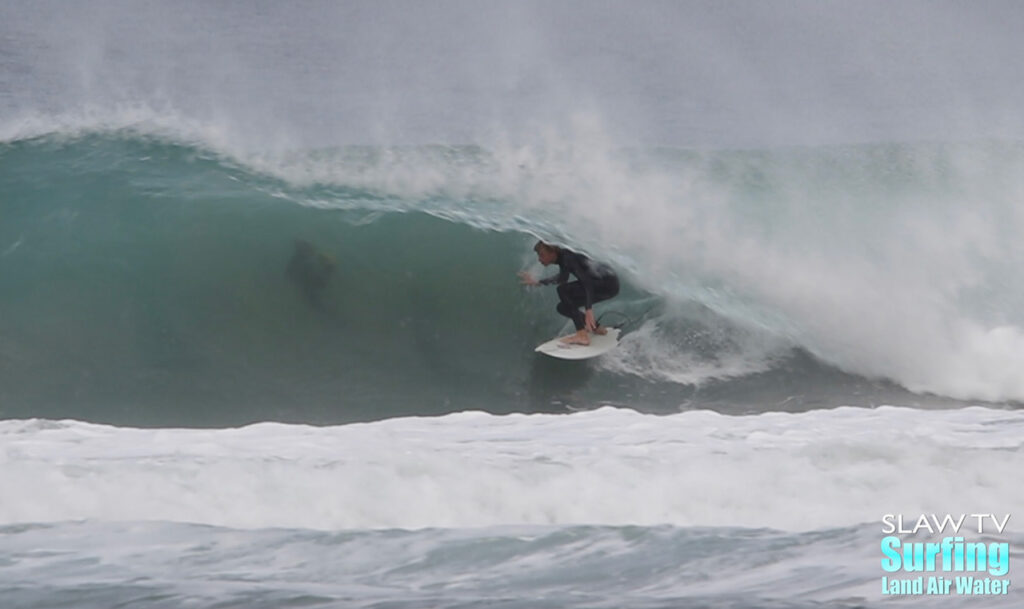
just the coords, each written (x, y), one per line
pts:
(540, 244)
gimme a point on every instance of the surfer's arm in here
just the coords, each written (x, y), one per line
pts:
(527, 279)
(561, 277)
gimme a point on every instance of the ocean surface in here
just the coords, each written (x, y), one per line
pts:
(262, 343)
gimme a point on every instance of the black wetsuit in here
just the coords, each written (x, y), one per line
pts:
(594, 282)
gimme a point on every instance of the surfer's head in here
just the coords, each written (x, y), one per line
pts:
(546, 253)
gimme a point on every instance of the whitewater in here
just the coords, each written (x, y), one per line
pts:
(815, 212)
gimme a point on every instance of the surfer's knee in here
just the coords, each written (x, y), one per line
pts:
(611, 287)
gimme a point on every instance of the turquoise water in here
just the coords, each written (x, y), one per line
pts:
(162, 276)
(148, 284)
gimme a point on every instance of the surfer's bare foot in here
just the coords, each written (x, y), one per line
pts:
(580, 338)
(600, 330)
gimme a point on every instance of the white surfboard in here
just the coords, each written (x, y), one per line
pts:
(598, 344)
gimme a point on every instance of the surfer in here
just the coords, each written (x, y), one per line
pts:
(594, 282)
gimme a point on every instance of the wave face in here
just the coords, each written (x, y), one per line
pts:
(153, 282)
(149, 281)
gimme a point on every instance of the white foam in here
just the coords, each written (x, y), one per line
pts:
(652, 353)
(903, 270)
(616, 467)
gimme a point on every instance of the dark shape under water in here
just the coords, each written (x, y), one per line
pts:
(310, 270)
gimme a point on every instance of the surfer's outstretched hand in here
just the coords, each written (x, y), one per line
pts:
(526, 278)
(590, 321)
